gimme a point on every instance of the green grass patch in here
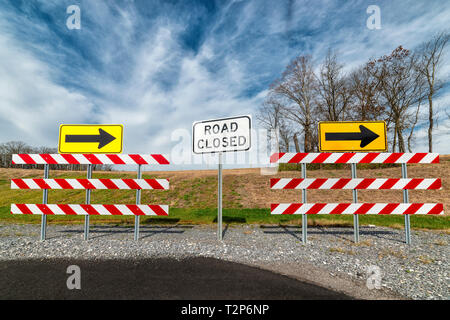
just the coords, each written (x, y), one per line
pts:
(238, 216)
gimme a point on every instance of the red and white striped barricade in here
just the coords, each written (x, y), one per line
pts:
(354, 184)
(90, 184)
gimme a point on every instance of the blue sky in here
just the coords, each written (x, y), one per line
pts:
(157, 66)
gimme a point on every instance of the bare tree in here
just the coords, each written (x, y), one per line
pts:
(296, 89)
(430, 53)
(401, 88)
(366, 95)
(270, 115)
(333, 89)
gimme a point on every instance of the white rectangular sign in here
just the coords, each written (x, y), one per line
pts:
(222, 135)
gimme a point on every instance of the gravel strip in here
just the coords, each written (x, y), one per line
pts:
(419, 271)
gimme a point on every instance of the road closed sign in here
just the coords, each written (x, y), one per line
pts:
(222, 135)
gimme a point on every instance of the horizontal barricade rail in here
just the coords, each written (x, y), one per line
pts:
(354, 157)
(362, 183)
(140, 159)
(357, 208)
(91, 209)
(69, 184)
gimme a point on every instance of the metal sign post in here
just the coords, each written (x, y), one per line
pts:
(88, 201)
(138, 201)
(304, 217)
(44, 201)
(355, 200)
(406, 200)
(218, 136)
(219, 200)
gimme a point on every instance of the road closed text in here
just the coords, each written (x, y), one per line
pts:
(222, 135)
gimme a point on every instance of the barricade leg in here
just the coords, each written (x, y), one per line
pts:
(406, 200)
(88, 201)
(355, 200)
(138, 201)
(304, 216)
(44, 201)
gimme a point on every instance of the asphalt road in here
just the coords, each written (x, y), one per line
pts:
(195, 278)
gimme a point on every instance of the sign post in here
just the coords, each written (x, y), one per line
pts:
(219, 201)
(218, 136)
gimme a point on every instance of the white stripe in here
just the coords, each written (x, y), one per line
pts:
(429, 158)
(164, 183)
(381, 158)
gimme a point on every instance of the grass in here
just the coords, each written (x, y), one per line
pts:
(232, 216)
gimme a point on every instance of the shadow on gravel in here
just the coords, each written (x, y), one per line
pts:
(162, 278)
(296, 232)
(144, 231)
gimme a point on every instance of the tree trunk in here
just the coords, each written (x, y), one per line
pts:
(430, 128)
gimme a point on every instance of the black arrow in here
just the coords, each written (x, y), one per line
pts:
(366, 136)
(103, 138)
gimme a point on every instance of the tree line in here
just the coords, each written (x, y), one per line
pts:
(19, 147)
(393, 88)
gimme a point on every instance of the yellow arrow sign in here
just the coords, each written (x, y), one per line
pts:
(352, 136)
(87, 138)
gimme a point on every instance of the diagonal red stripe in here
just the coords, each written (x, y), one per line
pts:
(154, 184)
(293, 183)
(297, 157)
(413, 183)
(131, 184)
(27, 159)
(274, 181)
(86, 184)
(364, 208)
(340, 208)
(70, 158)
(317, 183)
(437, 184)
(67, 209)
(115, 159)
(160, 159)
(437, 209)
(45, 209)
(365, 183)
(416, 158)
(113, 209)
(90, 210)
(321, 157)
(20, 183)
(345, 157)
(389, 183)
(389, 208)
(63, 183)
(412, 208)
(158, 210)
(369, 157)
(92, 158)
(316, 208)
(292, 208)
(393, 157)
(138, 159)
(24, 208)
(41, 183)
(108, 183)
(340, 184)
(48, 158)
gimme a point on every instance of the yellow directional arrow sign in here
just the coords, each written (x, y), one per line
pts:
(87, 138)
(352, 136)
